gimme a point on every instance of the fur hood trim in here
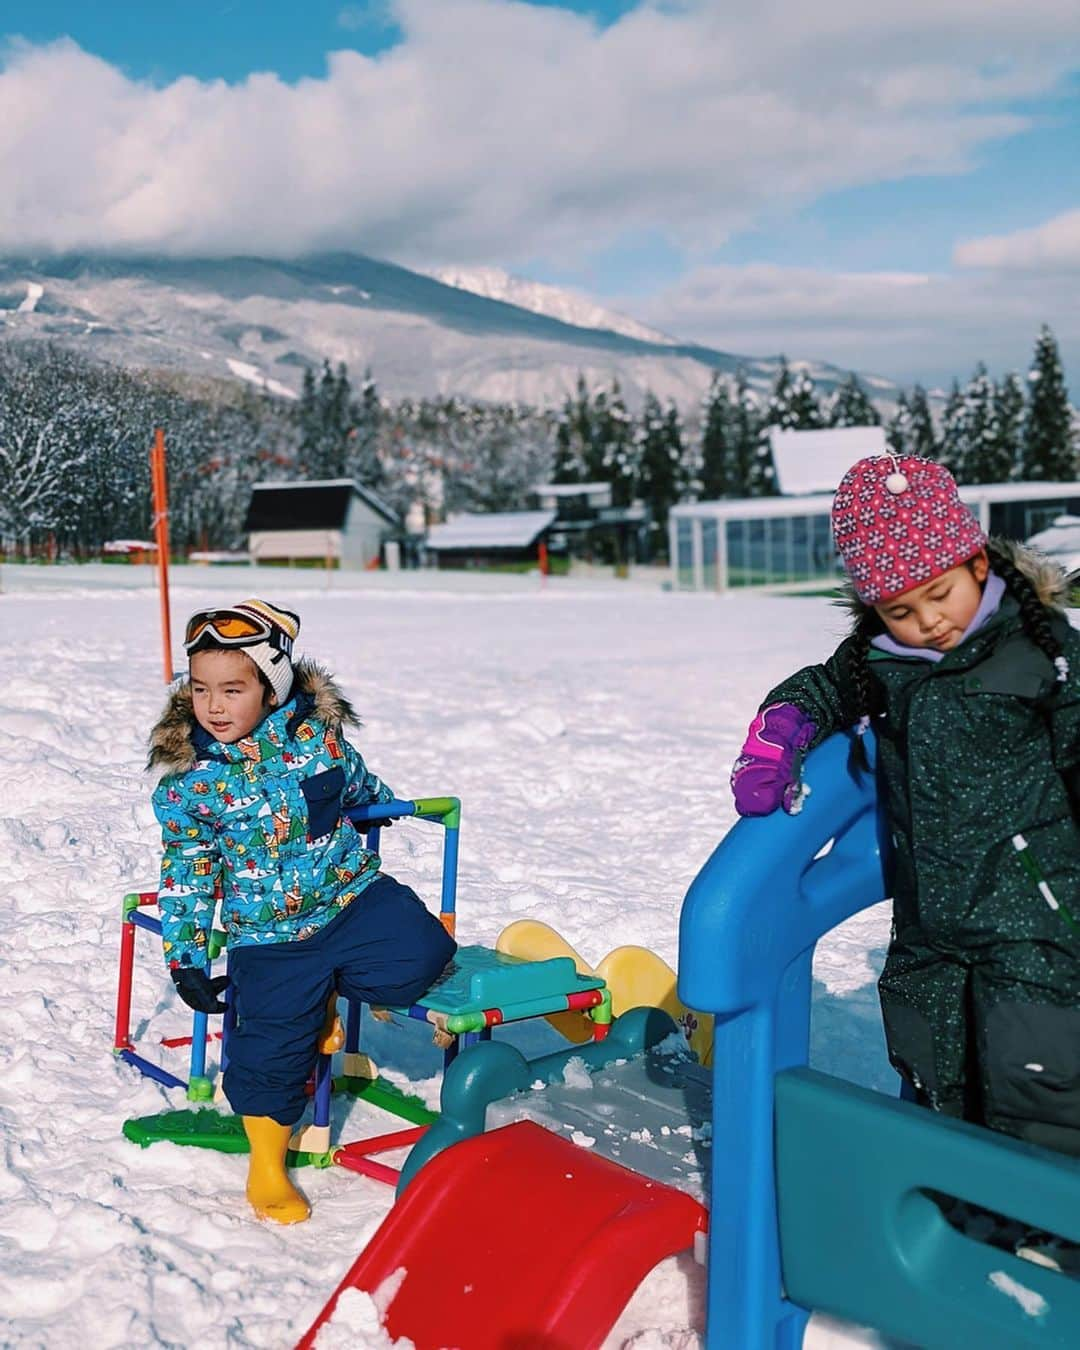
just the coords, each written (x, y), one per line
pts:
(172, 743)
(1051, 582)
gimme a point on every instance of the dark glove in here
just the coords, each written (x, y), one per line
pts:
(199, 991)
(767, 773)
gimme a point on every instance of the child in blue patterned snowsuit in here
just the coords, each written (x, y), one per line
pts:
(257, 772)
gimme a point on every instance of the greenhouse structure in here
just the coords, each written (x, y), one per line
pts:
(787, 541)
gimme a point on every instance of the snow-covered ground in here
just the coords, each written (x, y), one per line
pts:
(589, 729)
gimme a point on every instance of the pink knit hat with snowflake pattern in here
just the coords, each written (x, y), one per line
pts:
(899, 522)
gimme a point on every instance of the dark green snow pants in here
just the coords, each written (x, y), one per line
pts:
(993, 1038)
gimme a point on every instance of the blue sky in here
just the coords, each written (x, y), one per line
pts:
(229, 39)
(821, 182)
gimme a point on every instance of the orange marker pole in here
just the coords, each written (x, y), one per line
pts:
(161, 538)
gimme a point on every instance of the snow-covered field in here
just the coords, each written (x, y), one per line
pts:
(589, 729)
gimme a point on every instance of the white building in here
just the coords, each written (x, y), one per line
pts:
(589, 496)
(334, 521)
(787, 541)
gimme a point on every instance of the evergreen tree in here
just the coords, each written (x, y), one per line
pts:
(310, 427)
(792, 406)
(777, 408)
(362, 463)
(850, 406)
(979, 463)
(898, 431)
(719, 468)
(1049, 452)
(581, 429)
(754, 475)
(954, 432)
(659, 458)
(677, 451)
(793, 403)
(923, 438)
(1009, 425)
(567, 465)
(595, 430)
(618, 460)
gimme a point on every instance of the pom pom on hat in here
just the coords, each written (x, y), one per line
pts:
(898, 522)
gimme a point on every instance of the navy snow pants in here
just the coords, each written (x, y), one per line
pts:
(384, 948)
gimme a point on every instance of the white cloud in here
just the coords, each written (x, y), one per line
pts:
(499, 132)
(911, 326)
(368, 13)
(1051, 247)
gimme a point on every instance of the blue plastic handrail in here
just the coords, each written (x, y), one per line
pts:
(749, 924)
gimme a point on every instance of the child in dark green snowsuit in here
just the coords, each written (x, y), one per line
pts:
(964, 665)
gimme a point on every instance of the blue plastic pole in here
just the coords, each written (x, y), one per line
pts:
(450, 868)
(198, 1044)
(149, 1070)
(749, 924)
(323, 1084)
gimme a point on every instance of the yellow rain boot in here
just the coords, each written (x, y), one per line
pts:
(269, 1191)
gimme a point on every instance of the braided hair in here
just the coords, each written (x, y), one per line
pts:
(1034, 614)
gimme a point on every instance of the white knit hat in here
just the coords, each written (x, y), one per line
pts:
(274, 657)
(272, 654)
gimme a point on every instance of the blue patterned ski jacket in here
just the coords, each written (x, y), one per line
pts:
(260, 821)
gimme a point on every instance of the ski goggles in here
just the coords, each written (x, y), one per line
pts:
(232, 628)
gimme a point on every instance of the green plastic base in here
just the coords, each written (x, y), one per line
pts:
(378, 1092)
(208, 1128)
(204, 1128)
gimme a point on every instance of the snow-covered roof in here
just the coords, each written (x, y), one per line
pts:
(306, 483)
(1061, 536)
(815, 461)
(498, 529)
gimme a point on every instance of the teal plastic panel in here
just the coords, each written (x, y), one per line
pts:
(863, 1240)
(479, 978)
(484, 1073)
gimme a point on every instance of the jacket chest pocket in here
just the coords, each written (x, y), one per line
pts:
(1007, 710)
(322, 793)
(1027, 685)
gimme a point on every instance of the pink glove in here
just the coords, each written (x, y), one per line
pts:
(767, 773)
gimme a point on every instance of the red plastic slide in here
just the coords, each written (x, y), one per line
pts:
(519, 1240)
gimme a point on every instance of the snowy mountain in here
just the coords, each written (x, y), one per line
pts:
(265, 321)
(567, 306)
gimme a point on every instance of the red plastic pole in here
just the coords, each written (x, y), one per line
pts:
(356, 1157)
(123, 990)
(161, 538)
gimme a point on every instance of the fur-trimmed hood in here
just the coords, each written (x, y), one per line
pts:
(172, 747)
(1050, 581)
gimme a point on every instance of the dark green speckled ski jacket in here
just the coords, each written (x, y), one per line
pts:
(972, 750)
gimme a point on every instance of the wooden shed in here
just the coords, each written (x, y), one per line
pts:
(334, 521)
